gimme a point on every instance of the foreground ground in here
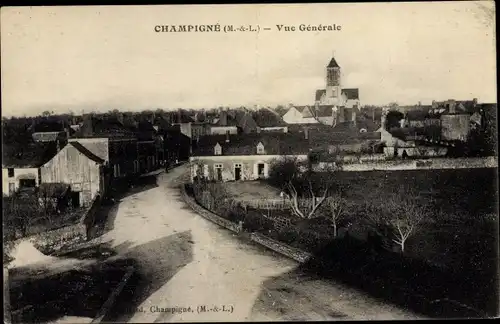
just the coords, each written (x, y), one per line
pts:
(186, 261)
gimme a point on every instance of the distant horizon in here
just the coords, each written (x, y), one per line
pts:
(101, 58)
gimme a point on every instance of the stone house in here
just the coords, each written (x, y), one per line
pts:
(244, 157)
(21, 165)
(111, 141)
(75, 165)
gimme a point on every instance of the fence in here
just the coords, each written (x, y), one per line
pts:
(270, 204)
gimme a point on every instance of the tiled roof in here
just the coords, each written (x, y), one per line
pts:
(333, 63)
(82, 149)
(246, 122)
(267, 118)
(323, 110)
(48, 126)
(352, 94)
(103, 127)
(274, 144)
(33, 155)
(319, 94)
(344, 134)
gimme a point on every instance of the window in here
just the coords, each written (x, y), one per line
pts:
(218, 149)
(11, 172)
(116, 170)
(260, 148)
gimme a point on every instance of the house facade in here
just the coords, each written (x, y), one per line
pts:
(21, 165)
(79, 168)
(243, 157)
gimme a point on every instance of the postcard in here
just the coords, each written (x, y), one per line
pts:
(249, 162)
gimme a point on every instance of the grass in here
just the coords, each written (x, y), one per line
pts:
(249, 190)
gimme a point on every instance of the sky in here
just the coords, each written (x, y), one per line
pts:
(99, 58)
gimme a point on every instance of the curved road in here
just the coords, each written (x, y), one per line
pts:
(190, 262)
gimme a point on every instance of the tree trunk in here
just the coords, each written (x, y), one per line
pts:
(334, 229)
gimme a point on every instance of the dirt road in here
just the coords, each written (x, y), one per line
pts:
(210, 275)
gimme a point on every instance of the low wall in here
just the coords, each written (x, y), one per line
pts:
(437, 163)
(208, 214)
(52, 241)
(284, 249)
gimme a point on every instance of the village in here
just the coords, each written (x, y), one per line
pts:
(294, 179)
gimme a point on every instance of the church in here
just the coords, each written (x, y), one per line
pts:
(332, 105)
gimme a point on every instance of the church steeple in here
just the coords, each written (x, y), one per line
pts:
(333, 82)
(333, 63)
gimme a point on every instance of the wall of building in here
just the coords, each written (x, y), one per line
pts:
(420, 151)
(222, 130)
(326, 120)
(455, 127)
(186, 129)
(19, 174)
(282, 129)
(293, 116)
(70, 166)
(249, 165)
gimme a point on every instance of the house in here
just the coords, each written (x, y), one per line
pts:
(268, 120)
(226, 124)
(21, 165)
(245, 156)
(177, 146)
(110, 140)
(76, 166)
(150, 146)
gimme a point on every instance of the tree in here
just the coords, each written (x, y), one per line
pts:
(307, 190)
(337, 208)
(393, 119)
(397, 217)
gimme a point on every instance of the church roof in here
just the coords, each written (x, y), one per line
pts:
(333, 63)
(319, 94)
(351, 93)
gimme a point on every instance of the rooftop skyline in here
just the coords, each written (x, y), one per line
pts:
(103, 58)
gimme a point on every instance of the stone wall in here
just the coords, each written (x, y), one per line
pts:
(286, 250)
(437, 163)
(52, 241)
(208, 214)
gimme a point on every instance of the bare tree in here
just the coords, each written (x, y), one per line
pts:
(307, 204)
(397, 217)
(337, 208)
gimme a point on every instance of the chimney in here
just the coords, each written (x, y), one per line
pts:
(452, 106)
(306, 133)
(474, 102)
(227, 136)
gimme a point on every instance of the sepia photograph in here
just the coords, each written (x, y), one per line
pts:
(249, 162)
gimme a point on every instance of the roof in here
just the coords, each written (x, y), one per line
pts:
(274, 144)
(48, 136)
(333, 63)
(82, 149)
(323, 110)
(33, 155)
(319, 94)
(246, 122)
(225, 120)
(103, 127)
(48, 126)
(351, 94)
(266, 118)
(340, 135)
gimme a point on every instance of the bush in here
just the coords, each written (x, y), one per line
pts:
(255, 222)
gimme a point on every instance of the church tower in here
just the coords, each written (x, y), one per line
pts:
(333, 83)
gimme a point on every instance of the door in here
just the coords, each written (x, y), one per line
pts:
(260, 170)
(75, 198)
(218, 172)
(12, 188)
(237, 172)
